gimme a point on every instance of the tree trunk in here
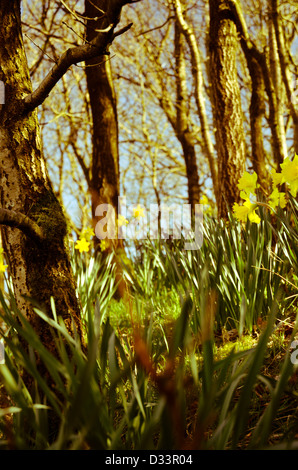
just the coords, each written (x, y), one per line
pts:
(226, 102)
(39, 266)
(181, 125)
(105, 158)
(285, 67)
(257, 102)
(257, 115)
(275, 72)
(197, 73)
(104, 181)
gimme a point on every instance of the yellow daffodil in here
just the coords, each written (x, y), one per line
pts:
(103, 245)
(246, 210)
(248, 182)
(204, 200)
(290, 174)
(88, 233)
(138, 212)
(3, 267)
(82, 245)
(122, 220)
(277, 198)
(206, 203)
(276, 177)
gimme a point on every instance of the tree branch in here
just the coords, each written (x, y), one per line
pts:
(74, 55)
(28, 226)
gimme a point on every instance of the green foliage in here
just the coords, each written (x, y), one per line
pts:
(152, 374)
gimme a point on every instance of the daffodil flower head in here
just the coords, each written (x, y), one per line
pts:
(3, 267)
(103, 245)
(276, 178)
(122, 220)
(206, 203)
(290, 174)
(277, 198)
(204, 200)
(247, 210)
(138, 212)
(82, 245)
(88, 233)
(248, 182)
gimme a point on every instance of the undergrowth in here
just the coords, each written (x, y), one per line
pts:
(200, 354)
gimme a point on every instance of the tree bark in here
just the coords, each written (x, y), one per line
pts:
(256, 61)
(181, 122)
(275, 73)
(197, 74)
(284, 66)
(104, 183)
(40, 267)
(257, 114)
(226, 102)
(104, 179)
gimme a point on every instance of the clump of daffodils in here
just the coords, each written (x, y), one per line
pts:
(84, 241)
(248, 185)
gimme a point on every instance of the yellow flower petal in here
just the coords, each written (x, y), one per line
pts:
(248, 182)
(254, 218)
(246, 210)
(277, 198)
(240, 212)
(88, 233)
(276, 177)
(290, 174)
(82, 245)
(3, 267)
(103, 245)
(138, 212)
(290, 169)
(122, 220)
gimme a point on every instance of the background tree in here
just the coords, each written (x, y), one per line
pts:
(226, 100)
(144, 70)
(104, 181)
(35, 229)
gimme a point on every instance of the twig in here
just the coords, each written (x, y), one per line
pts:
(49, 57)
(122, 30)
